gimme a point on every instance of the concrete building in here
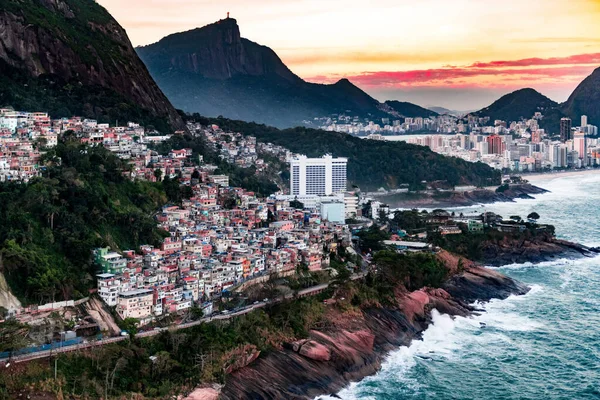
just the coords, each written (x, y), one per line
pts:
(109, 286)
(317, 176)
(333, 210)
(565, 129)
(135, 304)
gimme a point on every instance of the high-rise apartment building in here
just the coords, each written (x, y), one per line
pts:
(565, 129)
(580, 146)
(317, 176)
(584, 121)
(495, 144)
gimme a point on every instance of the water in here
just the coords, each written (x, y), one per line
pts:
(544, 345)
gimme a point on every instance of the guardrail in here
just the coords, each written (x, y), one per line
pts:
(219, 317)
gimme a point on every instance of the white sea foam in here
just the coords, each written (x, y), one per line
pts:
(511, 337)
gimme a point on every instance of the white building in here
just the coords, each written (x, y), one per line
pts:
(333, 210)
(317, 176)
(109, 286)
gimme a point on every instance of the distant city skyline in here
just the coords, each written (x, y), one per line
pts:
(458, 54)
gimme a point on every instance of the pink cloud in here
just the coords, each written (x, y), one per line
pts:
(555, 70)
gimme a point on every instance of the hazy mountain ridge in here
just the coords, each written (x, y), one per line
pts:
(409, 110)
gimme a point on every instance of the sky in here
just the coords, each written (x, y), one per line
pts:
(458, 54)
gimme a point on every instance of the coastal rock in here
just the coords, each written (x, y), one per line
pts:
(204, 393)
(240, 357)
(353, 354)
(315, 351)
(538, 249)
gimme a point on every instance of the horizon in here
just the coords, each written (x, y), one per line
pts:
(460, 60)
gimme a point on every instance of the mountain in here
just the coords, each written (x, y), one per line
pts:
(70, 57)
(214, 71)
(523, 103)
(585, 100)
(408, 110)
(446, 111)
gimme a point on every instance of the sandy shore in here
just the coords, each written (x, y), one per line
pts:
(562, 174)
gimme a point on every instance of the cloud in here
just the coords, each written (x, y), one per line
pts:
(492, 74)
(593, 58)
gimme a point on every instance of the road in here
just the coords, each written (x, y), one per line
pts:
(217, 317)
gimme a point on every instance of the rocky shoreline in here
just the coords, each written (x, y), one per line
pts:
(541, 249)
(353, 344)
(462, 199)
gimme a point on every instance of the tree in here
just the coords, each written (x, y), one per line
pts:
(196, 175)
(515, 218)
(130, 326)
(12, 335)
(533, 216)
(158, 174)
(229, 202)
(297, 204)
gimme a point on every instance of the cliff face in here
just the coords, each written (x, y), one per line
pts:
(216, 51)
(214, 71)
(71, 57)
(354, 345)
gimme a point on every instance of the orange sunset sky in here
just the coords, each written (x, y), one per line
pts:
(460, 54)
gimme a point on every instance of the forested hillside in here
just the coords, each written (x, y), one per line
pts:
(372, 164)
(49, 227)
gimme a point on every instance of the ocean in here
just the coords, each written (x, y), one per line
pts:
(544, 345)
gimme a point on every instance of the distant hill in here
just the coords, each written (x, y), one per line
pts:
(444, 111)
(523, 103)
(372, 164)
(70, 57)
(214, 71)
(585, 100)
(408, 110)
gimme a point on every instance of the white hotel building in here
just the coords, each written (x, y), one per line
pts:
(317, 176)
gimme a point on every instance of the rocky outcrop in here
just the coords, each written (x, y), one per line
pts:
(356, 344)
(73, 55)
(463, 199)
(8, 301)
(216, 51)
(537, 249)
(239, 358)
(203, 393)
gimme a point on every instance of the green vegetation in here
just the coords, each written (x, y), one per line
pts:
(409, 220)
(372, 164)
(297, 204)
(49, 227)
(180, 359)
(371, 239)
(472, 245)
(238, 177)
(413, 271)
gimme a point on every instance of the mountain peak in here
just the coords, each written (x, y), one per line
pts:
(585, 99)
(214, 71)
(522, 103)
